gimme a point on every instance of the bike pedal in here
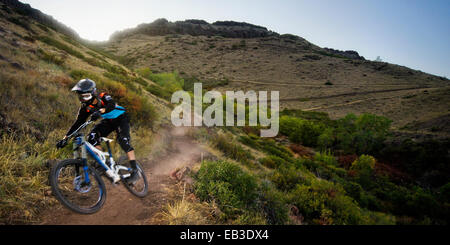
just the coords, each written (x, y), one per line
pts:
(114, 184)
(111, 180)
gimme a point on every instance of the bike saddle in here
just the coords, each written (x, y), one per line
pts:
(106, 139)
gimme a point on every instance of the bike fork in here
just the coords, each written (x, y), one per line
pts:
(85, 165)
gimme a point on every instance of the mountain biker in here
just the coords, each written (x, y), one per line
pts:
(114, 118)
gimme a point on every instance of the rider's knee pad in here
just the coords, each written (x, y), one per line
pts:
(125, 144)
(93, 138)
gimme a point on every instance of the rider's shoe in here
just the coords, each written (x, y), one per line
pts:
(133, 177)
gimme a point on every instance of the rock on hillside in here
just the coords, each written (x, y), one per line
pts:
(347, 54)
(229, 29)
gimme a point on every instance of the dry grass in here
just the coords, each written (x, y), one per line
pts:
(186, 209)
(24, 190)
(183, 213)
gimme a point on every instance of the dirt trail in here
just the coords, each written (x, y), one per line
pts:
(121, 207)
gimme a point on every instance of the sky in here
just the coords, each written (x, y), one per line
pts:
(412, 33)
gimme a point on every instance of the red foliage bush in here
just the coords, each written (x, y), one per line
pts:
(346, 161)
(301, 150)
(393, 173)
(351, 173)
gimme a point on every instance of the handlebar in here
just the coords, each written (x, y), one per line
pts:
(80, 128)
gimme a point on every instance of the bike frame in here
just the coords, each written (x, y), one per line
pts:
(99, 156)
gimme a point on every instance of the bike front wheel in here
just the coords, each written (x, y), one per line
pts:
(78, 188)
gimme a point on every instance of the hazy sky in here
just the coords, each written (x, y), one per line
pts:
(413, 33)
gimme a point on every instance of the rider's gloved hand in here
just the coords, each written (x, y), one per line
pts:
(61, 144)
(96, 115)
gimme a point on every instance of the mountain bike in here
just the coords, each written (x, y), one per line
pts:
(77, 183)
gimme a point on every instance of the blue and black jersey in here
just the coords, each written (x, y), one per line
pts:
(112, 110)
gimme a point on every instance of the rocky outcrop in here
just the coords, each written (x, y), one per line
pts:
(47, 20)
(348, 54)
(230, 29)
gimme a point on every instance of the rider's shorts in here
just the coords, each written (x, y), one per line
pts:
(120, 124)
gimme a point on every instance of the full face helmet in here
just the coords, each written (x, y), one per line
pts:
(85, 89)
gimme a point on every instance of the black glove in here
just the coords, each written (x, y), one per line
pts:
(61, 144)
(96, 115)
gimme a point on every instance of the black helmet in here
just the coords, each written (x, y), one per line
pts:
(84, 86)
(86, 89)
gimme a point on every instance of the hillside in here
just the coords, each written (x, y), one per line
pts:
(239, 56)
(322, 169)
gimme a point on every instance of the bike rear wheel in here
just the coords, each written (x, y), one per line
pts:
(140, 187)
(68, 180)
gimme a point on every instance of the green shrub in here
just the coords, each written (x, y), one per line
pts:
(364, 199)
(301, 131)
(233, 150)
(363, 134)
(272, 161)
(159, 91)
(352, 134)
(327, 139)
(325, 203)
(273, 204)
(246, 140)
(364, 167)
(364, 163)
(423, 203)
(268, 162)
(169, 81)
(228, 185)
(286, 177)
(326, 157)
(144, 71)
(354, 190)
(371, 131)
(271, 147)
(250, 218)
